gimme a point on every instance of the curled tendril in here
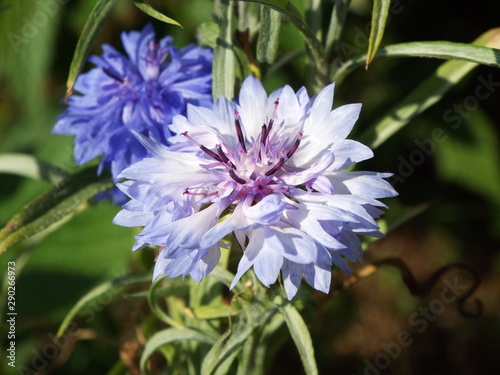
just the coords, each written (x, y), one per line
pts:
(422, 289)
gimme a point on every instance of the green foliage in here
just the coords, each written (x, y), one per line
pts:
(224, 57)
(29, 166)
(89, 33)
(72, 195)
(268, 41)
(146, 8)
(379, 19)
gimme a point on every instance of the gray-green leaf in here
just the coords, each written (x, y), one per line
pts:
(29, 166)
(150, 11)
(301, 337)
(379, 20)
(51, 207)
(171, 335)
(268, 41)
(89, 33)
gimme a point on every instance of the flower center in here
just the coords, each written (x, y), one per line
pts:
(256, 168)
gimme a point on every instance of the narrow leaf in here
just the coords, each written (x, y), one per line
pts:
(226, 277)
(146, 8)
(29, 166)
(157, 310)
(427, 93)
(337, 20)
(225, 350)
(171, 335)
(89, 33)
(51, 207)
(214, 312)
(109, 288)
(223, 70)
(379, 20)
(206, 34)
(248, 18)
(424, 96)
(268, 41)
(441, 50)
(301, 337)
(286, 8)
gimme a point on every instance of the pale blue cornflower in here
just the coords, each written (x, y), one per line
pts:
(139, 91)
(267, 169)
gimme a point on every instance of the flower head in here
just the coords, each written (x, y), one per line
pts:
(267, 169)
(141, 91)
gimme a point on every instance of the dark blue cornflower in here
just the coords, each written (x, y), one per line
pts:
(140, 91)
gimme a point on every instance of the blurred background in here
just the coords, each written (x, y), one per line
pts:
(450, 193)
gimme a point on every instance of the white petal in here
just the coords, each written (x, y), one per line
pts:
(348, 152)
(268, 265)
(299, 178)
(252, 106)
(368, 184)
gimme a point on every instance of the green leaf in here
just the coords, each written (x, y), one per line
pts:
(223, 70)
(314, 16)
(109, 288)
(337, 20)
(268, 41)
(29, 166)
(440, 50)
(157, 310)
(286, 8)
(379, 20)
(248, 18)
(226, 277)
(206, 34)
(301, 337)
(174, 289)
(171, 335)
(146, 8)
(426, 94)
(214, 312)
(89, 33)
(53, 206)
(219, 358)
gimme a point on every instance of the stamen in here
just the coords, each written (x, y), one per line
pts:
(185, 134)
(239, 132)
(112, 75)
(207, 151)
(210, 153)
(276, 168)
(224, 157)
(263, 134)
(187, 192)
(236, 178)
(294, 147)
(271, 121)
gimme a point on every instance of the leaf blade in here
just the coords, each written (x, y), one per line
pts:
(150, 11)
(223, 70)
(441, 50)
(29, 166)
(268, 40)
(167, 336)
(114, 286)
(53, 206)
(379, 20)
(301, 337)
(89, 33)
(426, 94)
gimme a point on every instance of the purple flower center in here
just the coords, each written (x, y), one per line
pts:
(256, 169)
